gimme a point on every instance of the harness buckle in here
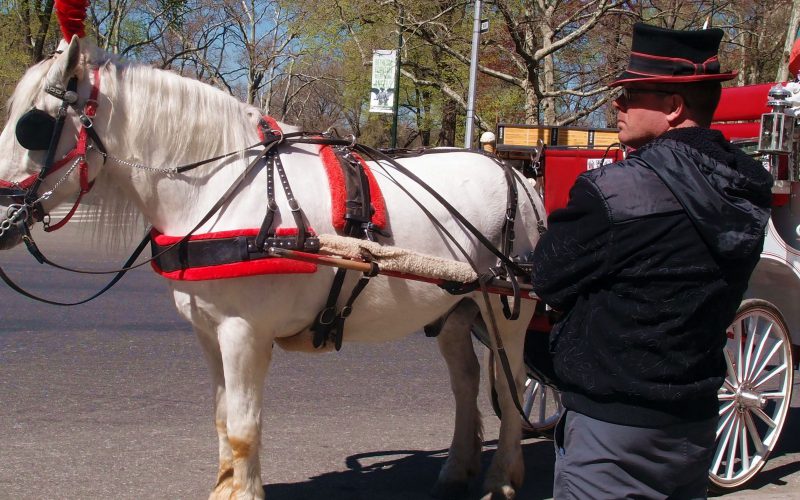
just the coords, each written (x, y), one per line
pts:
(86, 121)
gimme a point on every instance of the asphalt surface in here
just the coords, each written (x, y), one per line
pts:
(112, 400)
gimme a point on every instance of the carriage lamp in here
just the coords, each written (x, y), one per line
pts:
(776, 137)
(777, 127)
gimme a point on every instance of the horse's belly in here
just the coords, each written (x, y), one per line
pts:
(283, 306)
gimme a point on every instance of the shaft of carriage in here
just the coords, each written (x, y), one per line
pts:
(494, 286)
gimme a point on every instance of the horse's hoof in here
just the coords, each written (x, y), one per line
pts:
(504, 493)
(450, 490)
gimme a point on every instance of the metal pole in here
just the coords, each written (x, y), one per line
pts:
(396, 103)
(473, 75)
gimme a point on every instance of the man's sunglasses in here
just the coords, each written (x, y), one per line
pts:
(627, 94)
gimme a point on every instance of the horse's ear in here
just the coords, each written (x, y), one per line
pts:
(67, 62)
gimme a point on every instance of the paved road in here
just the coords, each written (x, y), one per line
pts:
(111, 400)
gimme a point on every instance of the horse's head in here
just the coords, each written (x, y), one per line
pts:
(39, 159)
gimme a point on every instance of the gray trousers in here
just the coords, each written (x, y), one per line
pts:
(598, 460)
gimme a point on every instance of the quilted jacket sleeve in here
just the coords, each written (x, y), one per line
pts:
(571, 256)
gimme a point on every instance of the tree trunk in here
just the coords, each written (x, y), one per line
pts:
(532, 111)
(794, 23)
(447, 135)
(548, 104)
(44, 27)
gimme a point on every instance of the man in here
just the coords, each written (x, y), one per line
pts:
(649, 262)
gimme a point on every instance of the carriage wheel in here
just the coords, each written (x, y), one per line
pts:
(755, 396)
(541, 404)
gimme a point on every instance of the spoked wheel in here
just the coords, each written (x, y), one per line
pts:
(755, 396)
(542, 406)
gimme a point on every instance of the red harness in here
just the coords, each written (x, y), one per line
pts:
(274, 265)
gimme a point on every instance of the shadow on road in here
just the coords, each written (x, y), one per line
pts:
(409, 475)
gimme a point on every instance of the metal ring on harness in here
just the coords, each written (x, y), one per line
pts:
(279, 133)
(327, 316)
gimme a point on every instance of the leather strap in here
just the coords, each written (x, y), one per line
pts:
(217, 251)
(274, 163)
(125, 268)
(325, 321)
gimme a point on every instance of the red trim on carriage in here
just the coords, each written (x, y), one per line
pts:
(270, 265)
(747, 102)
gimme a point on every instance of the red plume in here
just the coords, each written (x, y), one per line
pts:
(71, 14)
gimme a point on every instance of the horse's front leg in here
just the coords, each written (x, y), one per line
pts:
(463, 460)
(245, 359)
(223, 487)
(507, 470)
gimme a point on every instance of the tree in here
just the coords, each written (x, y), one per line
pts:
(791, 33)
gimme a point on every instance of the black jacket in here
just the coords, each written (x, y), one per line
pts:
(649, 262)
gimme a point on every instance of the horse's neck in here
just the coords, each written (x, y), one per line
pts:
(162, 121)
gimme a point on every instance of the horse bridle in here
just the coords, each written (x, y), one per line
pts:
(37, 130)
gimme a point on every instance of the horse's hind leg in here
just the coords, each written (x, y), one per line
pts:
(463, 460)
(507, 469)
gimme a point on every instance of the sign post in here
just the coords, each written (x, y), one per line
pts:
(473, 75)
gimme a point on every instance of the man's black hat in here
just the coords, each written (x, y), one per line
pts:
(661, 55)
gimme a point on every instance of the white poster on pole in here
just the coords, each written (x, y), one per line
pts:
(381, 98)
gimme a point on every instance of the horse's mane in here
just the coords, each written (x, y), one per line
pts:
(162, 120)
(170, 119)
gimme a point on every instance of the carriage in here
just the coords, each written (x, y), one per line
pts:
(763, 346)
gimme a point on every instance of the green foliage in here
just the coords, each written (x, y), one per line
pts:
(316, 70)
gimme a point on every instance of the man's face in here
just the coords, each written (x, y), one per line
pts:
(642, 114)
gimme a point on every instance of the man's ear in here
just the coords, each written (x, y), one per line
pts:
(676, 111)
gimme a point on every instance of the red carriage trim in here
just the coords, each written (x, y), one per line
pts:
(794, 60)
(270, 265)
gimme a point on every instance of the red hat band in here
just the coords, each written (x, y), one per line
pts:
(647, 64)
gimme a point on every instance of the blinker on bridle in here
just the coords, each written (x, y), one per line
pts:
(36, 129)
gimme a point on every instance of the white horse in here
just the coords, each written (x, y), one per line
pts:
(154, 118)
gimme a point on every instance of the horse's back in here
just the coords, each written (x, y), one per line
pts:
(475, 185)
